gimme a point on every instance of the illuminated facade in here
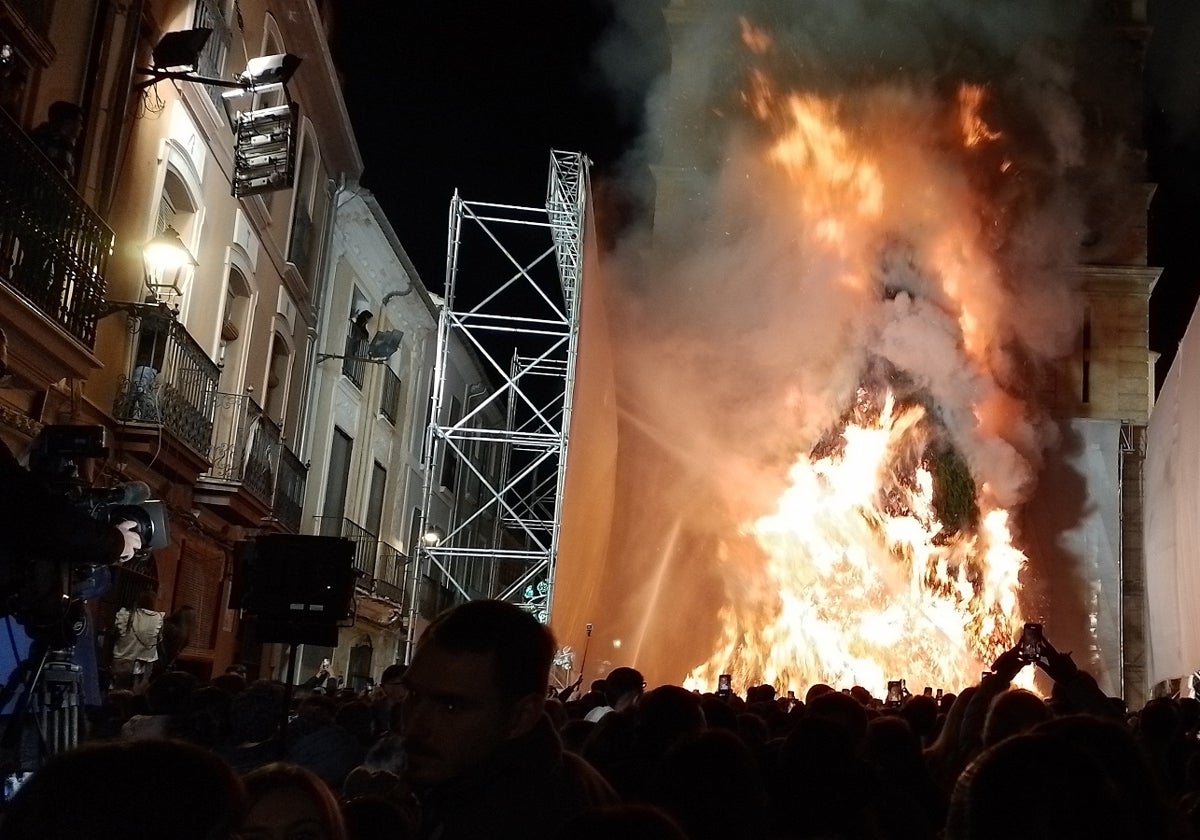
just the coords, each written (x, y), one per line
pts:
(369, 413)
(200, 375)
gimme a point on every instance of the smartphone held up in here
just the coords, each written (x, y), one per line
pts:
(725, 685)
(1032, 644)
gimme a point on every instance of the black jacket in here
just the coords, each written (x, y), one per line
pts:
(528, 789)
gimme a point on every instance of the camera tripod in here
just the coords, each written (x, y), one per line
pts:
(48, 688)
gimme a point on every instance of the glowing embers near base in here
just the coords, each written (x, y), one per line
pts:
(860, 581)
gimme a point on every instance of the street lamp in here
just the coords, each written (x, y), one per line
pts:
(434, 535)
(167, 262)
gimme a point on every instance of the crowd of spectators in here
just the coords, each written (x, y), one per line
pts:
(468, 742)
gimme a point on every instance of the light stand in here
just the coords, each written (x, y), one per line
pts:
(586, 642)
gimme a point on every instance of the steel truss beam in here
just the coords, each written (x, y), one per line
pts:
(527, 314)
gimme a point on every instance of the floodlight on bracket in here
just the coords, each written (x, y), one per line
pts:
(265, 137)
(383, 345)
(177, 56)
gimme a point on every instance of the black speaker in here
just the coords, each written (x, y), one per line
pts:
(294, 578)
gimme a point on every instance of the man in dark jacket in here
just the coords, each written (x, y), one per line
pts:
(482, 755)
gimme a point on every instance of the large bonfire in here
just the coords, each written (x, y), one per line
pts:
(889, 554)
(818, 378)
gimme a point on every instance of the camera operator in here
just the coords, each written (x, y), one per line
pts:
(38, 522)
(51, 553)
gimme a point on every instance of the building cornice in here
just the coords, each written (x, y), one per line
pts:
(1120, 279)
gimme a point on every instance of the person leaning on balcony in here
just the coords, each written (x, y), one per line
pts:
(58, 136)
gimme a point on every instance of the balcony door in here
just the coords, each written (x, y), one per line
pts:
(337, 482)
(375, 502)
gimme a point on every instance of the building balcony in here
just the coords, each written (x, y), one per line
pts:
(54, 252)
(289, 490)
(253, 476)
(392, 582)
(366, 545)
(353, 366)
(389, 402)
(167, 397)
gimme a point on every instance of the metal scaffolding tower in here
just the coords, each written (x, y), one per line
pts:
(524, 329)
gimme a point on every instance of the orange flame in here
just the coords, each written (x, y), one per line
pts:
(974, 130)
(864, 583)
(860, 582)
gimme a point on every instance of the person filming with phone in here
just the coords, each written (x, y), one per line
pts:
(1073, 689)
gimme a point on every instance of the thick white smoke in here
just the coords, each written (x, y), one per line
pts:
(742, 327)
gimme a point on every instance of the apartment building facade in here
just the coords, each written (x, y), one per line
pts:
(200, 372)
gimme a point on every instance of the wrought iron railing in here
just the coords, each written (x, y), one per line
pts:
(392, 582)
(356, 351)
(365, 544)
(289, 489)
(389, 402)
(54, 249)
(245, 446)
(170, 381)
(248, 448)
(211, 15)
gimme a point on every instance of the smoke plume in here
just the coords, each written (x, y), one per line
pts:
(744, 319)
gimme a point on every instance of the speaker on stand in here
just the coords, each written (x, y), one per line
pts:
(299, 589)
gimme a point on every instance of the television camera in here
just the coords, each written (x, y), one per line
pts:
(59, 537)
(63, 531)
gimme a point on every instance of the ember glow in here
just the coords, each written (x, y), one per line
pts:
(861, 580)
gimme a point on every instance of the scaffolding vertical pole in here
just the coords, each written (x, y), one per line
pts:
(424, 559)
(517, 318)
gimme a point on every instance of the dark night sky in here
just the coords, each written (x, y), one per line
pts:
(470, 95)
(1173, 144)
(473, 94)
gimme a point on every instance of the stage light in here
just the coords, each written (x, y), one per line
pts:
(264, 148)
(268, 70)
(384, 344)
(264, 152)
